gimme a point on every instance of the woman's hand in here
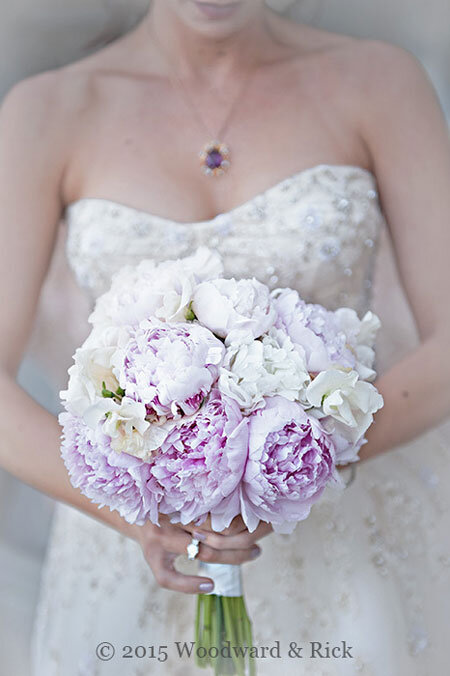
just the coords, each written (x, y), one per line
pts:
(162, 544)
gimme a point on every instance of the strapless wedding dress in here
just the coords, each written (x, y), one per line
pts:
(370, 566)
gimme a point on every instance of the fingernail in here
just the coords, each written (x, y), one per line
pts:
(200, 536)
(256, 551)
(206, 586)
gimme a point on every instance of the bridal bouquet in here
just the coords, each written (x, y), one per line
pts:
(198, 396)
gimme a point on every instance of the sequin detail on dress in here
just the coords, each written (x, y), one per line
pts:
(303, 232)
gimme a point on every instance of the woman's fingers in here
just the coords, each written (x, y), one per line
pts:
(242, 540)
(166, 575)
(162, 544)
(235, 527)
(162, 563)
(156, 546)
(176, 540)
(233, 556)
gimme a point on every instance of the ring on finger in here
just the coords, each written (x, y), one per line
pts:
(192, 549)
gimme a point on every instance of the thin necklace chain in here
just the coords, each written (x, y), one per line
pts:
(175, 80)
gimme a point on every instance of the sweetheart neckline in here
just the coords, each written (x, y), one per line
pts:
(276, 186)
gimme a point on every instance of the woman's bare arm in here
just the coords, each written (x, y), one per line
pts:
(33, 145)
(409, 142)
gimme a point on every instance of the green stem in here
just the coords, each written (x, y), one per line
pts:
(231, 633)
(249, 639)
(197, 627)
(208, 625)
(220, 619)
(240, 623)
(200, 631)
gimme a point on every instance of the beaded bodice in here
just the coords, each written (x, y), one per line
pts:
(315, 231)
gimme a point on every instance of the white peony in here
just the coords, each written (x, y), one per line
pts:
(348, 400)
(162, 290)
(234, 309)
(264, 368)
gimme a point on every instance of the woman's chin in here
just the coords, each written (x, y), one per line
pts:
(218, 19)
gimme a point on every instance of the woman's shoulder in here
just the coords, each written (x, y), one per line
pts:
(362, 72)
(47, 93)
(379, 76)
(48, 108)
(61, 94)
(37, 102)
(70, 85)
(352, 56)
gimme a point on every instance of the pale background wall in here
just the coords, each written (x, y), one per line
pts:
(40, 34)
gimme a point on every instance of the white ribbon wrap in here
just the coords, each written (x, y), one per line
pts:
(226, 577)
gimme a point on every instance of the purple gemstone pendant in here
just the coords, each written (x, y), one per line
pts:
(215, 158)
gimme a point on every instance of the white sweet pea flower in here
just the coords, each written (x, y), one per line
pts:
(93, 367)
(365, 358)
(124, 417)
(133, 443)
(233, 309)
(368, 329)
(81, 392)
(361, 336)
(359, 331)
(262, 368)
(124, 422)
(350, 401)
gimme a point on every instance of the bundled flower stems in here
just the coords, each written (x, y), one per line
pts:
(198, 396)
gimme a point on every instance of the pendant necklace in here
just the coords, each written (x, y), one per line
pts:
(215, 154)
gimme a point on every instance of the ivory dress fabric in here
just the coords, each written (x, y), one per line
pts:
(371, 565)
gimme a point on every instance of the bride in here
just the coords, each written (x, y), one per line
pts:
(286, 148)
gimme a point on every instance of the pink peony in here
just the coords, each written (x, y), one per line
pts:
(117, 480)
(201, 462)
(291, 459)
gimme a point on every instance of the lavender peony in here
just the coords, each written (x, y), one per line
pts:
(331, 338)
(117, 480)
(200, 464)
(291, 460)
(170, 368)
(315, 329)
